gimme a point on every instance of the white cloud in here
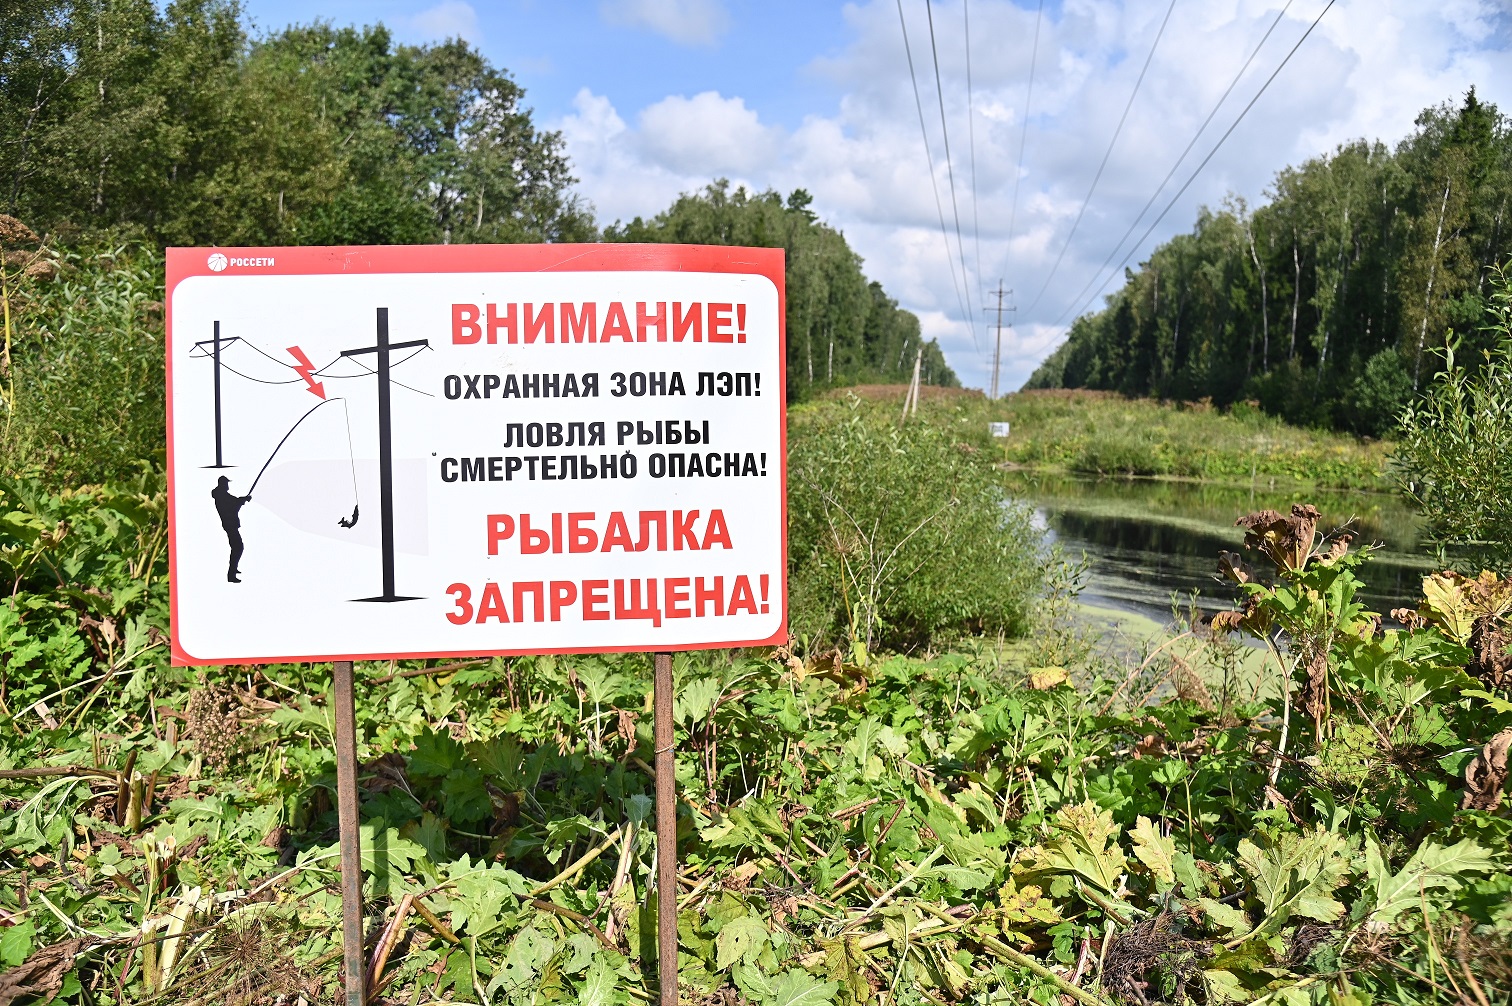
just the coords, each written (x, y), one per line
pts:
(706, 135)
(687, 22)
(447, 19)
(1367, 70)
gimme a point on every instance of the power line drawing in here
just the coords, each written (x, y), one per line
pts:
(215, 354)
(228, 505)
(382, 350)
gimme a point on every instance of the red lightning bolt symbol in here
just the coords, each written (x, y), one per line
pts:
(306, 369)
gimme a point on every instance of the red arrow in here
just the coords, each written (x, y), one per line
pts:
(306, 370)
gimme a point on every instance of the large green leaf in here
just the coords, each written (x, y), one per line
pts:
(740, 939)
(1085, 846)
(1156, 851)
(799, 988)
(599, 986)
(1296, 876)
(1433, 866)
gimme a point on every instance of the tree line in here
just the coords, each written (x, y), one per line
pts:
(176, 125)
(1331, 303)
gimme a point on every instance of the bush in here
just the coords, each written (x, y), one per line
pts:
(1378, 394)
(899, 535)
(85, 390)
(1455, 455)
(1119, 455)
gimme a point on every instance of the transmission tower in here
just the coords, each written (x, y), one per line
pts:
(997, 352)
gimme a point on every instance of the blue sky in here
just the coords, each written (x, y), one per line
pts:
(657, 97)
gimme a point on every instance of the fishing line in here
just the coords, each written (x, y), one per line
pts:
(350, 522)
(285, 440)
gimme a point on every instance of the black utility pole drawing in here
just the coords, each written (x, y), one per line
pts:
(216, 344)
(385, 450)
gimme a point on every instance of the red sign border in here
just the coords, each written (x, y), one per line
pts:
(186, 263)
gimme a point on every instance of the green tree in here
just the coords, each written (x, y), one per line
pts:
(841, 328)
(1357, 258)
(173, 123)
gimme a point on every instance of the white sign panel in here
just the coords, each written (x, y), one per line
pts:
(439, 451)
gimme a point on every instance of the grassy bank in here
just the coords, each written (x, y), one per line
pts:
(1104, 433)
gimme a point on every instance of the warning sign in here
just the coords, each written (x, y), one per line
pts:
(439, 451)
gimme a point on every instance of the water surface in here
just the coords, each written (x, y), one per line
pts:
(1148, 538)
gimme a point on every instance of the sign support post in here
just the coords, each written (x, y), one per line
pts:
(666, 831)
(344, 713)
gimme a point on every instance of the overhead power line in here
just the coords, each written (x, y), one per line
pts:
(1177, 163)
(1106, 154)
(1024, 132)
(976, 227)
(929, 160)
(1198, 170)
(950, 170)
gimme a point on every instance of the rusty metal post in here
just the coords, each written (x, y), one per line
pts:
(344, 712)
(666, 833)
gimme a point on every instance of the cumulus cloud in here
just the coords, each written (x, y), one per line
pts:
(706, 134)
(1367, 71)
(448, 19)
(686, 22)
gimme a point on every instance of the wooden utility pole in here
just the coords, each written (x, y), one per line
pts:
(911, 400)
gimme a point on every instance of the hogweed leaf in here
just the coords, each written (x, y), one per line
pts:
(1084, 847)
(740, 939)
(1432, 866)
(1296, 877)
(798, 988)
(599, 986)
(1156, 851)
(753, 982)
(16, 943)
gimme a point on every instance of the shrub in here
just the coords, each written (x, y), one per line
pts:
(1119, 454)
(899, 535)
(85, 389)
(1455, 455)
(1378, 394)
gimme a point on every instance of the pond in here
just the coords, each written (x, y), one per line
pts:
(1147, 538)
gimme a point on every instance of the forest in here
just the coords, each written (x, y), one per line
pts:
(126, 125)
(1325, 304)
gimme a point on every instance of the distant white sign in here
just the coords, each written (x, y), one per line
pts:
(437, 451)
(998, 429)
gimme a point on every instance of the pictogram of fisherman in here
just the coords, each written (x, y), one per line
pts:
(229, 505)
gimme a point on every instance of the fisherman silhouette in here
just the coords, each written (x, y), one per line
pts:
(229, 507)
